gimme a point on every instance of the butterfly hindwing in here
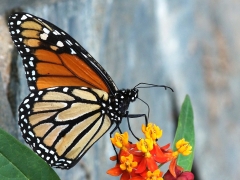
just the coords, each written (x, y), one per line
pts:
(62, 123)
(53, 58)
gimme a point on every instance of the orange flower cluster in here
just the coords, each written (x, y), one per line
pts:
(141, 161)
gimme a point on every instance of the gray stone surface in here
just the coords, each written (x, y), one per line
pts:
(7, 120)
(192, 46)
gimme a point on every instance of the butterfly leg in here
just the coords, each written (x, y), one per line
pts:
(135, 116)
(120, 130)
(114, 129)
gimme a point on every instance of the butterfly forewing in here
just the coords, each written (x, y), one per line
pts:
(62, 123)
(53, 58)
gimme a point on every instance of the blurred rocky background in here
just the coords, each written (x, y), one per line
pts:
(191, 46)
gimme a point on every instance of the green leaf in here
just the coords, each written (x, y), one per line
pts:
(17, 162)
(185, 130)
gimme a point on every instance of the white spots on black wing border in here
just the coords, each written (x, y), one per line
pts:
(52, 88)
(36, 143)
(27, 50)
(60, 44)
(72, 51)
(55, 32)
(29, 15)
(40, 93)
(32, 88)
(29, 63)
(44, 36)
(69, 42)
(33, 72)
(27, 106)
(65, 89)
(84, 55)
(29, 60)
(47, 31)
(24, 17)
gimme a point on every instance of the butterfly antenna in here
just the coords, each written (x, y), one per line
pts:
(149, 85)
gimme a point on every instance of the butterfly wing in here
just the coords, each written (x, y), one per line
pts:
(53, 58)
(64, 115)
(62, 123)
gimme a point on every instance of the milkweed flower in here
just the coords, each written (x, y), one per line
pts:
(127, 163)
(145, 145)
(124, 168)
(155, 175)
(120, 140)
(141, 161)
(152, 131)
(184, 148)
(147, 162)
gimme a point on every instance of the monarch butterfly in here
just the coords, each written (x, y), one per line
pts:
(72, 101)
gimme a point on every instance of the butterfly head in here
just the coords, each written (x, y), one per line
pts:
(133, 93)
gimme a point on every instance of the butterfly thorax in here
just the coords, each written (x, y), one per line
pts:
(119, 103)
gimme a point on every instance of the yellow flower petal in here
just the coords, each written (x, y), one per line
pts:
(123, 167)
(143, 128)
(127, 163)
(134, 164)
(120, 140)
(145, 145)
(152, 131)
(183, 147)
(156, 175)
